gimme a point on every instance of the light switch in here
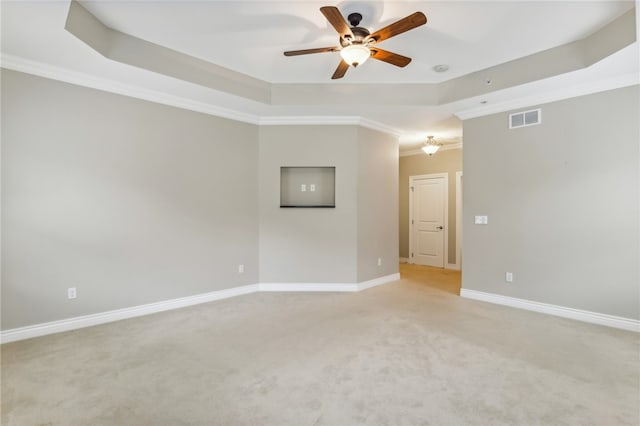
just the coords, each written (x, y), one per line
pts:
(303, 188)
(312, 187)
(481, 220)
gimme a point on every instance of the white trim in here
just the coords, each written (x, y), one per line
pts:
(459, 207)
(85, 80)
(560, 311)
(419, 151)
(552, 96)
(75, 323)
(378, 281)
(328, 286)
(304, 120)
(41, 69)
(403, 260)
(328, 120)
(120, 314)
(452, 266)
(412, 179)
(307, 287)
(374, 125)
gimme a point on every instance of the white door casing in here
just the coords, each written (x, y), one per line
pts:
(459, 181)
(428, 221)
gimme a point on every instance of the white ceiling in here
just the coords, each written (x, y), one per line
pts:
(249, 38)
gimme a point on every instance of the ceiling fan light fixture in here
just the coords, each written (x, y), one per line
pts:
(357, 43)
(431, 146)
(355, 54)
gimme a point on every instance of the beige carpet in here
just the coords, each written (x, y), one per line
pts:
(400, 354)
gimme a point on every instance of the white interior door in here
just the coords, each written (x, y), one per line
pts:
(428, 221)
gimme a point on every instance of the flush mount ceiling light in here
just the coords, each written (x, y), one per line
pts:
(355, 54)
(431, 146)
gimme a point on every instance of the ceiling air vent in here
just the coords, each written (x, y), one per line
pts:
(525, 118)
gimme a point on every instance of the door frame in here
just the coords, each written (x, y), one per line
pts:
(459, 190)
(412, 179)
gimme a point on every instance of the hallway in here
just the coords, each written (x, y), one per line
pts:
(441, 279)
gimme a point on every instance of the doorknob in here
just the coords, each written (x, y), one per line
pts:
(439, 227)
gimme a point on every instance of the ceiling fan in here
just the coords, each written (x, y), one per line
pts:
(357, 44)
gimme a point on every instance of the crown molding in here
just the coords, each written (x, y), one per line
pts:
(52, 72)
(419, 151)
(329, 120)
(28, 66)
(374, 125)
(308, 120)
(40, 69)
(552, 96)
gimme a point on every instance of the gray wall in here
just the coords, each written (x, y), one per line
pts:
(308, 244)
(129, 201)
(562, 200)
(377, 204)
(133, 202)
(449, 161)
(330, 245)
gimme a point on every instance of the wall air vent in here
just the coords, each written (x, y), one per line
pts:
(525, 118)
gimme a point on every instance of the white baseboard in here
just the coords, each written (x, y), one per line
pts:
(403, 259)
(378, 281)
(52, 327)
(119, 314)
(560, 311)
(328, 286)
(307, 287)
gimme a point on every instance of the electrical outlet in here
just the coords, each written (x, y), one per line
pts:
(71, 293)
(379, 261)
(312, 187)
(508, 277)
(241, 269)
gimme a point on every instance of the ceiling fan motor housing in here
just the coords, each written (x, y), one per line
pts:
(359, 36)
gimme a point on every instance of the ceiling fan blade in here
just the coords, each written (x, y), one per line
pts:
(390, 57)
(308, 51)
(336, 19)
(405, 24)
(340, 71)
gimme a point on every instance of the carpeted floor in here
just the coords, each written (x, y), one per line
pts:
(406, 353)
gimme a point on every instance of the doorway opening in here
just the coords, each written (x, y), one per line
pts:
(429, 219)
(429, 260)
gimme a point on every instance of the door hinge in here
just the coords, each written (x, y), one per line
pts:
(412, 221)
(411, 254)
(412, 189)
